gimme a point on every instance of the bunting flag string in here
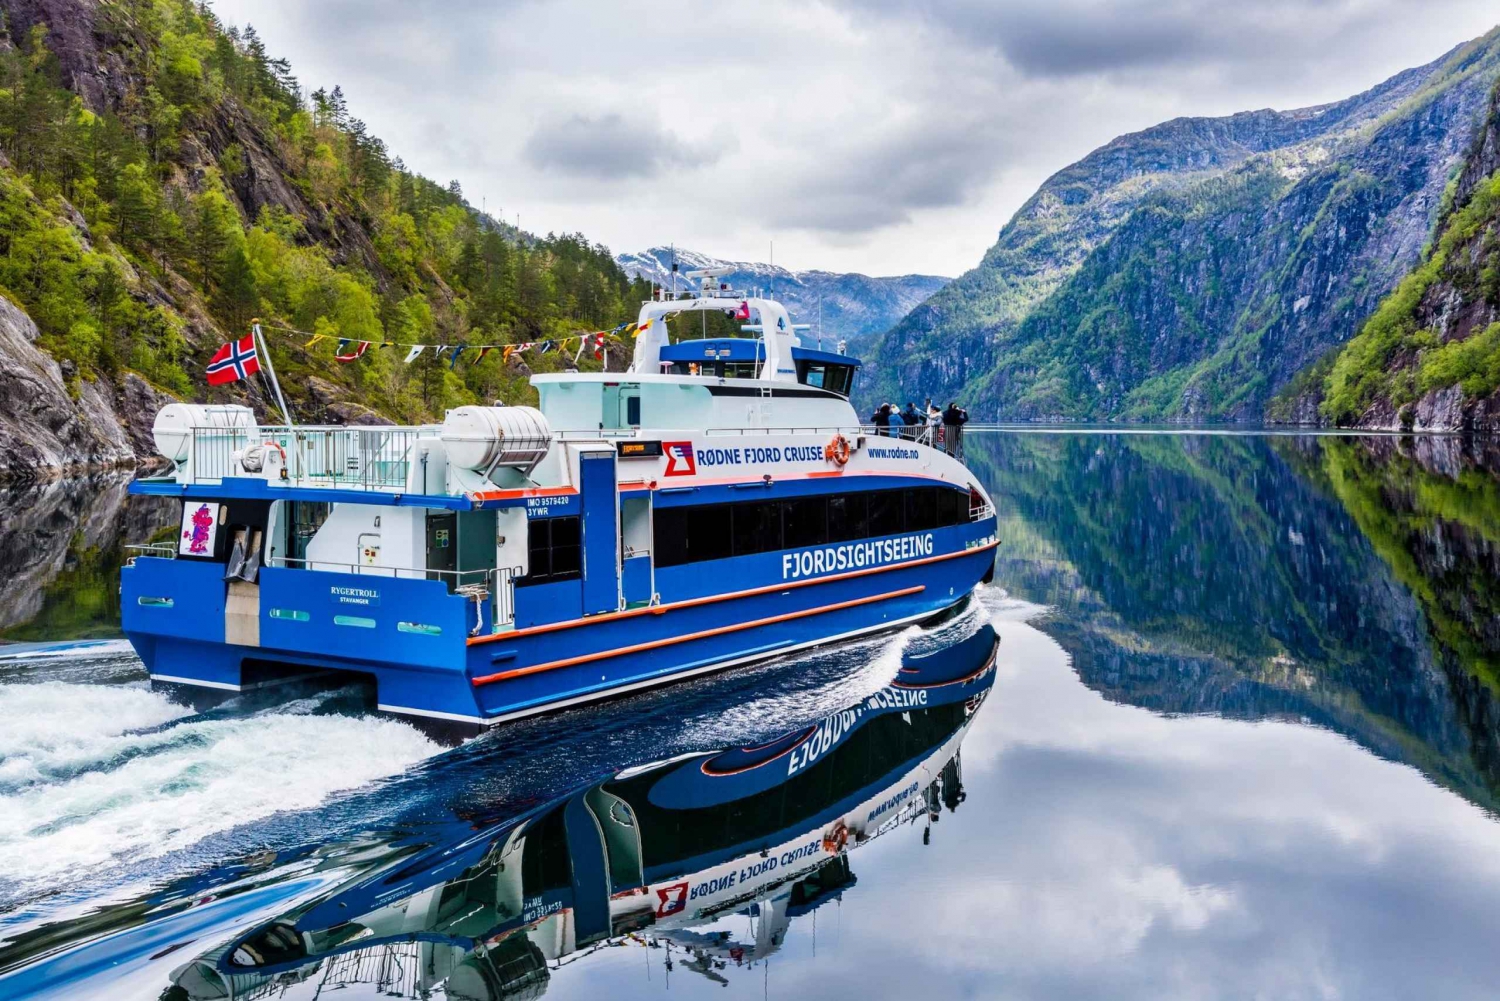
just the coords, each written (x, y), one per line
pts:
(349, 349)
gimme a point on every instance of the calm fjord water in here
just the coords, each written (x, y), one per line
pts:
(1242, 740)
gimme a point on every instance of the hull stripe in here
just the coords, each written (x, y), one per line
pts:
(703, 634)
(713, 598)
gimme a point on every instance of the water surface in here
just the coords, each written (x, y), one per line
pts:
(1240, 741)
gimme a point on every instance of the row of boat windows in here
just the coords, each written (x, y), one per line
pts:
(718, 531)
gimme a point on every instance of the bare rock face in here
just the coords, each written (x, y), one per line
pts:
(44, 428)
(1440, 410)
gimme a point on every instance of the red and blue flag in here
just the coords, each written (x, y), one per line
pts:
(234, 361)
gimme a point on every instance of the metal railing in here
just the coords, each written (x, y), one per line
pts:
(376, 457)
(497, 585)
(160, 550)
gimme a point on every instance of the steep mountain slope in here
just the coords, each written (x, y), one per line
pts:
(1430, 356)
(1192, 269)
(163, 180)
(852, 307)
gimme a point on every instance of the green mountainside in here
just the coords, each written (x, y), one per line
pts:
(1192, 270)
(1429, 358)
(164, 181)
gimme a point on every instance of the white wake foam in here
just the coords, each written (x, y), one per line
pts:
(79, 790)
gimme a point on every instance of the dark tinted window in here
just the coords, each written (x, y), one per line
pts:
(846, 518)
(953, 507)
(804, 522)
(709, 533)
(554, 550)
(887, 513)
(757, 528)
(921, 509)
(670, 545)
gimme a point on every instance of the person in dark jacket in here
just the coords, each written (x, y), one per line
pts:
(882, 419)
(954, 419)
(911, 419)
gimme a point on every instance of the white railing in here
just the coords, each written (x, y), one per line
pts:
(495, 585)
(160, 550)
(376, 457)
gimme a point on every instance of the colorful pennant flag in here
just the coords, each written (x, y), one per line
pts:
(343, 353)
(416, 349)
(234, 361)
(743, 313)
(314, 339)
(457, 350)
(486, 349)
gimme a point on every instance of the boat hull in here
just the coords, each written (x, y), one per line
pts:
(413, 638)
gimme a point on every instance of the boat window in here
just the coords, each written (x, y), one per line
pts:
(826, 375)
(847, 518)
(554, 552)
(887, 513)
(711, 532)
(303, 519)
(757, 528)
(921, 510)
(804, 522)
(545, 864)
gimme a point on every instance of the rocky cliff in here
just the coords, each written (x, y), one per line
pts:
(1191, 270)
(1429, 358)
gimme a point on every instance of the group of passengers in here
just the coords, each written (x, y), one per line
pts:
(928, 425)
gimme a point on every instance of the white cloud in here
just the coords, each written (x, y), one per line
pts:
(859, 134)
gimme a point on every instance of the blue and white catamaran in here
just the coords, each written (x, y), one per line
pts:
(715, 504)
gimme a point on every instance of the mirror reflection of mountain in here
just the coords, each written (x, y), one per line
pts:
(705, 858)
(60, 554)
(1347, 581)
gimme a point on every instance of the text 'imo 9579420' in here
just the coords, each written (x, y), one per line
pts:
(717, 503)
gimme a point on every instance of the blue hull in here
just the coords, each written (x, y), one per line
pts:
(413, 637)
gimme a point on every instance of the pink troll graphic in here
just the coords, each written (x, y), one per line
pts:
(198, 537)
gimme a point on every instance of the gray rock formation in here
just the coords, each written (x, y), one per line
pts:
(46, 424)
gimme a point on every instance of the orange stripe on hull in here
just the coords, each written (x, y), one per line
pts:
(554, 665)
(789, 585)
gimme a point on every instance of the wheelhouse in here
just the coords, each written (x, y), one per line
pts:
(743, 358)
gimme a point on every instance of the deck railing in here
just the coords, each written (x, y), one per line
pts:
(364, 458)
(496, 586)
(160, 550)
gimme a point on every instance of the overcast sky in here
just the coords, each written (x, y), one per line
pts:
(859, 135)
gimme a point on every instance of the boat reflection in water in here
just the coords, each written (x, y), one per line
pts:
(655, 855)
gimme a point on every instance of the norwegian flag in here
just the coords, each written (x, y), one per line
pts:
(346, 354)
(743, 313)
(234, 361)
(599, 347)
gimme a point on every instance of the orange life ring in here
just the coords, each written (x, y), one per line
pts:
(837, 450)
(835, 840)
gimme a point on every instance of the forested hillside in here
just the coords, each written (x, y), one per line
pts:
(1430, 356)
(165, 180)
(1191, 270)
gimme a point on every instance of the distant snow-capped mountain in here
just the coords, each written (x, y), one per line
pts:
(853, 307)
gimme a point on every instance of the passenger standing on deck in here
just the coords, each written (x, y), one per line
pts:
(954, 419)
(881, 418)
(911, 419)
(934, 425)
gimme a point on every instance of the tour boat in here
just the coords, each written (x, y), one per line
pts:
(658, 854)
(716, 503)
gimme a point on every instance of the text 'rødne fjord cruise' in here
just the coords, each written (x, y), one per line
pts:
(715, 504)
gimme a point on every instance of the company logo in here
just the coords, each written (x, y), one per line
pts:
(671, 899)
(680, 461)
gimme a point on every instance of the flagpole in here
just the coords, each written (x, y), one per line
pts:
(275, 383)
